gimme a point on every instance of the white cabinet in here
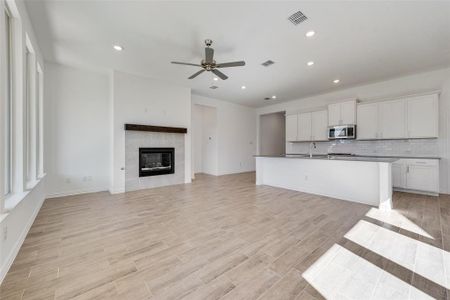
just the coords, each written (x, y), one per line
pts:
(413, 117)
(291, 127)
(334, 114)
(392, 117)
(422, 176)
(319, 128)
(422, 114)
(310, 126)
(398, 175)
(343, 113)
(348, 112)
(416, 174)
(367, 121)
(304, 127)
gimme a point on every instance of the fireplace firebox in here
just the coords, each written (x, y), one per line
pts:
(156, 161)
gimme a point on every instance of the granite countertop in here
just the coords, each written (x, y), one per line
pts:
(367, 158)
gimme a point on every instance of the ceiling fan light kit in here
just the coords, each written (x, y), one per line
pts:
(209, 64)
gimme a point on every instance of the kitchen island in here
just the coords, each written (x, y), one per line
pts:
(365, 180)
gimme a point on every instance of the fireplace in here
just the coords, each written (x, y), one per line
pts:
(156, 161)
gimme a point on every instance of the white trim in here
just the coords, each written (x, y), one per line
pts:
(397, 97)
(117, 190)
(78, 192)
(10, 259)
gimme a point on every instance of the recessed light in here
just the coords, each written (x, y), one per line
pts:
(118, 47)
(336, 81)
(310, 63)
(274, 97)
(310, 33)
(243, 87)
(215, 78)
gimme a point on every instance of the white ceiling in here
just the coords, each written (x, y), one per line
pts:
(355, 41)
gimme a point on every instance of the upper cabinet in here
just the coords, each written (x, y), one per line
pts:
(291, 128)
(343, 113)
(423, 116)
(367, 121)
(310, 126)
(319, 128)
(392, 119)
(304, 127)
(412, 117)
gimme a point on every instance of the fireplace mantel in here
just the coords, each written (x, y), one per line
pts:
(138, 127)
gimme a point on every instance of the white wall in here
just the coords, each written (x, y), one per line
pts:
(197, 139)
(272, 134)
(204, 148)
(236, 135)
(22, 205)
(411, 84)
(77, 139)
(142, 100)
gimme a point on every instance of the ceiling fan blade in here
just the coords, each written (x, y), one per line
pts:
(196, 74)
(231, 64)
(187, 64)
(209, 54)
(219, 74)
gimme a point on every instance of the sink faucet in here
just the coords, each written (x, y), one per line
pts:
(312, 146)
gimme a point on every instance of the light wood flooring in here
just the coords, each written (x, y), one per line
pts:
(217, 238)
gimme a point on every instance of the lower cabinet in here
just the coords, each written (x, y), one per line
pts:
(416, 174)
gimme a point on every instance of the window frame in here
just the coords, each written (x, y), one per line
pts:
(9, 114)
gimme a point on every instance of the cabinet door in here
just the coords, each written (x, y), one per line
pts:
(367, 121)
(304, 127)
(334, 114)
(392, 119)
(422, 178)
(348, 112)
(319, 123)
(291, 128)
(398, 175)
(422, 114)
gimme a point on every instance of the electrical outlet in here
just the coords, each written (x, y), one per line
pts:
(306, 177)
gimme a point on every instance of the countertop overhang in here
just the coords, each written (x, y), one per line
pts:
(335, 157)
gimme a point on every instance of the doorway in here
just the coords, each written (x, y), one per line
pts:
(272, 134)
(204, 145)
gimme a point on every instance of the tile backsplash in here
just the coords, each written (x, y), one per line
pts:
(413, 147)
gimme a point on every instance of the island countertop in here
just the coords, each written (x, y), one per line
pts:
(365, 180)
(335, 157)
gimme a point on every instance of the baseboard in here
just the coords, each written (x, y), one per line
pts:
(10, 259)
(237, 172)
(116, 191)
(77, 192)
(416, 192)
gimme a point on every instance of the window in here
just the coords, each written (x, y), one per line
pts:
(9, 104)
(39, 123)
(28, 114)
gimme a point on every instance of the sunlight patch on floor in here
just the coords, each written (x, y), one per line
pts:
(341, 274)
(395, 218)
(423, 259)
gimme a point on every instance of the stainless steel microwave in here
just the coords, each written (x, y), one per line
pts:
(342, 132)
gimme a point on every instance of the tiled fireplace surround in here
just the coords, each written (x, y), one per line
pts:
(413, 147)
(144, 139)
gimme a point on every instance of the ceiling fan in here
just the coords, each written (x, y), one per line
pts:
(209, 64)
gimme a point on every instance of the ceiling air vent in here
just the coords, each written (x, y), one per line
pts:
(213, 87)
(297, 18)
(268, 63)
